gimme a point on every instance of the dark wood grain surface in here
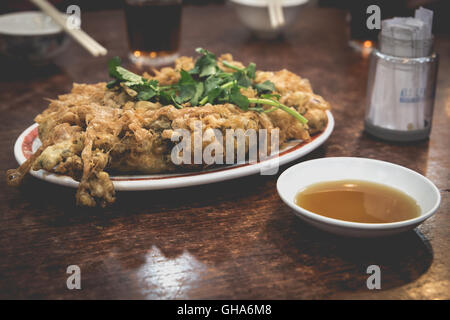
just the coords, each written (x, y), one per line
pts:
(233, 239)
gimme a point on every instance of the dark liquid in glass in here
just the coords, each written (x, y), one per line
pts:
(153, 27)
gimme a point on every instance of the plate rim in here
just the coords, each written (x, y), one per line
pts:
(156, 182)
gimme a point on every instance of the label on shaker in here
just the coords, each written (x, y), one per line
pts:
(400, 97)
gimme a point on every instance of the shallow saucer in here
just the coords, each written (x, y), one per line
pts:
(410, 182)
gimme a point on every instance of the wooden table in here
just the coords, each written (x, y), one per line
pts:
(229, 240)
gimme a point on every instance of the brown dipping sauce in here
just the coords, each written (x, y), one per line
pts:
(358, 201)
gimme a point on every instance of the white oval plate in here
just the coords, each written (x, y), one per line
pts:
(410, 182)
(28, 142)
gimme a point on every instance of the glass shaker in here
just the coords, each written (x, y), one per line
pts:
(401, 89)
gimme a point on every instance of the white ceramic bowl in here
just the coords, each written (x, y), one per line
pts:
(412, 183)
(31, 36)
(255, 15)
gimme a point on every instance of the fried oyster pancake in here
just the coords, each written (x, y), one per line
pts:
(93, 130)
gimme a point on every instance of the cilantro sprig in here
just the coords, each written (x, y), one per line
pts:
(205, 83)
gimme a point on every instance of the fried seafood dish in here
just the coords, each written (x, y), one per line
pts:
(127, 125)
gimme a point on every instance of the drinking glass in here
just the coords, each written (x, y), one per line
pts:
(153, 30)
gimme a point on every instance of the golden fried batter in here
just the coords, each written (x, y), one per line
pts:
(92, 129)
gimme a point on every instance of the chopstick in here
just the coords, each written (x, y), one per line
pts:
(79, 35)
(279, 12)
(276, 15)
(272, 13)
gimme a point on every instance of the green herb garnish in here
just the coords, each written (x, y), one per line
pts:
(205, 83)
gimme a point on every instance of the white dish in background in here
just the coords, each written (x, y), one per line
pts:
(254, 15)
(31, 36)
(410, 182)
(28, 142)
(28, 23)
